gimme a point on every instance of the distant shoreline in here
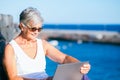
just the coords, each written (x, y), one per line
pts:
(81, 35)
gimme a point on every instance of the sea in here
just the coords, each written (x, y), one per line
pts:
(96, 27)
(103, 57)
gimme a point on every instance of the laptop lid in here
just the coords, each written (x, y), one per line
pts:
(69, 71)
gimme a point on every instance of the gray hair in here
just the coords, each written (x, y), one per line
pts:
(29, 14)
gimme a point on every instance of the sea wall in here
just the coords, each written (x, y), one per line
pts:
(82, 35)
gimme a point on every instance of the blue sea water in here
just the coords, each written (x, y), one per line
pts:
(104, 58)
(98, 27)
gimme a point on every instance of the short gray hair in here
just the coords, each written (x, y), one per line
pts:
(29, 14)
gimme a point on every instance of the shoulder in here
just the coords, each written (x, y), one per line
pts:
(8, 49)
(8, 46)
(46, 45)
(43, 41)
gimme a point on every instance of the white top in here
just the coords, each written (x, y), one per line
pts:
(28, 67)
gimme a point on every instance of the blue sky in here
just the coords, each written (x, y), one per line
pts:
(67, 11)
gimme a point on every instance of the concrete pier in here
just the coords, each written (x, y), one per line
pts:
(82, 35)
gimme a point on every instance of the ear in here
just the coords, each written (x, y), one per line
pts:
(21, 26)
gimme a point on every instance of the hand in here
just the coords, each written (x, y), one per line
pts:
(85, 68)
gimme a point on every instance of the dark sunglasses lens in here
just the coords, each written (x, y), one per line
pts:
(39, 29)
(34, 29)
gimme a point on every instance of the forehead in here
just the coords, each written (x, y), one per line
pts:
(35, 24)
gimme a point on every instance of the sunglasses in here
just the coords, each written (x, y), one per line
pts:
(34, 29)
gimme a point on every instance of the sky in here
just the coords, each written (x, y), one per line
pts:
(67, 11)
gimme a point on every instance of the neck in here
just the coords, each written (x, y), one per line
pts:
(25, 40)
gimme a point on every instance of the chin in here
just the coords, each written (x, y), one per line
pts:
(33, 38)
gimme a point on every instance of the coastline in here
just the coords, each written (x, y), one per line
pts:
(81, 35)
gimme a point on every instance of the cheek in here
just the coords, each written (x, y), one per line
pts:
(32, 35)
(27, 33)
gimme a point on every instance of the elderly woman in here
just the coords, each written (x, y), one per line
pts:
(24, 57)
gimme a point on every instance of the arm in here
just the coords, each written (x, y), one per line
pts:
(57, 56)
(10, 64)
(62, 58)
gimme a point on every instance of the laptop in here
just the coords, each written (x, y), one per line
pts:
(69, 71)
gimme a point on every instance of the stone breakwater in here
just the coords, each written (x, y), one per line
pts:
(81, 35)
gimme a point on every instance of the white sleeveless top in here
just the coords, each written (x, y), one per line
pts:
(28, 67)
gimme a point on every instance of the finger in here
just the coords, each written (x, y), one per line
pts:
(84, 72)
(83, 68)
(86, 66)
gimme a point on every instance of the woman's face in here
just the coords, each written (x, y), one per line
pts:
(31, 31)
